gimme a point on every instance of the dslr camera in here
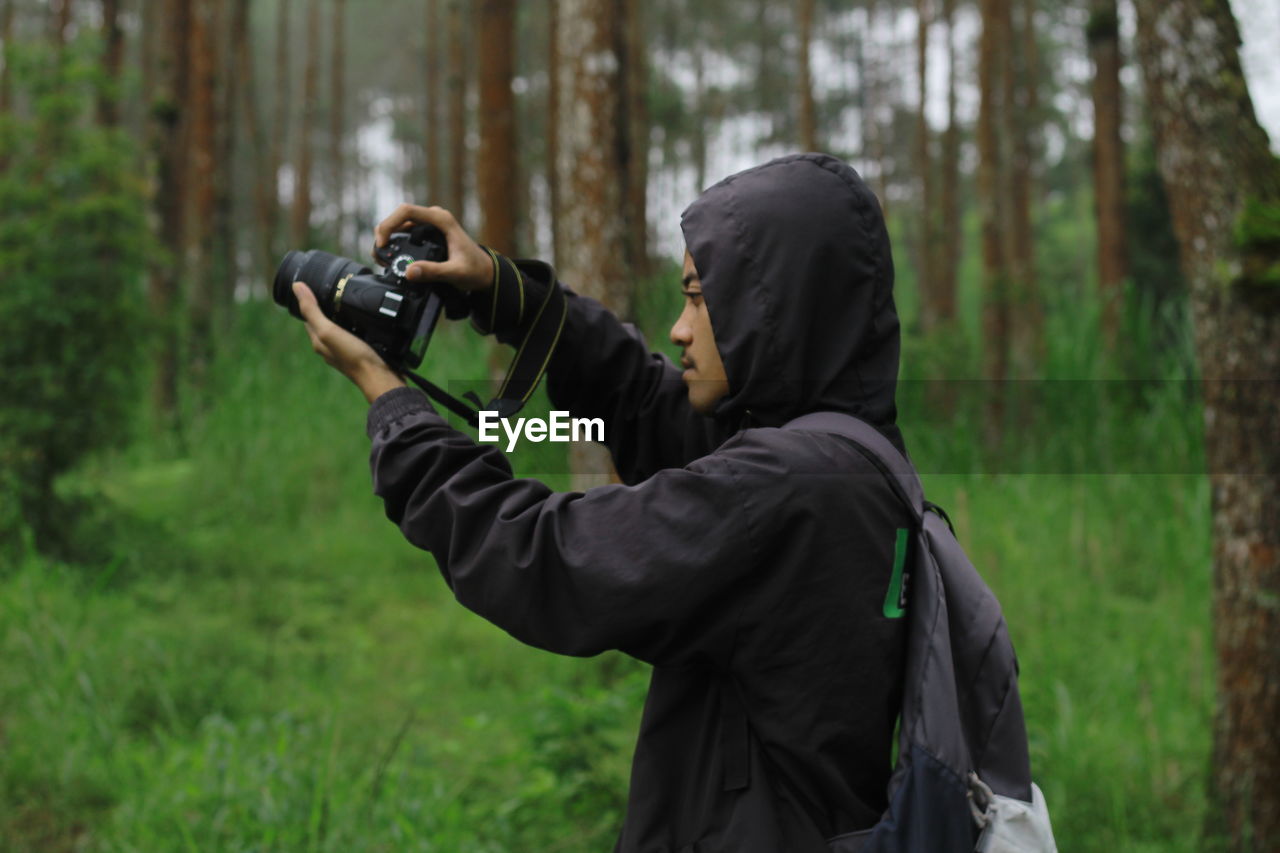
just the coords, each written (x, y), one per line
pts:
(393, 315)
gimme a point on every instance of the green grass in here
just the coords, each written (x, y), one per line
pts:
(251, 658)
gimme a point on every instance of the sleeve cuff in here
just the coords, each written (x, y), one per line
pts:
(394, 405)
(519, 288)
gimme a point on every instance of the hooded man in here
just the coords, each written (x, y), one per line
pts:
(757, 569)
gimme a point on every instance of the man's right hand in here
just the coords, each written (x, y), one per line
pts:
(468, 268)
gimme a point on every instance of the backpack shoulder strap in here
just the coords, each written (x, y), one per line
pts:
(896, 467)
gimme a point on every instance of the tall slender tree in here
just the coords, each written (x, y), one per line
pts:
(496, 172)
(947, 266)
(61, 16)
(927, 237)
(1108, 160)
(337, 114)
(591, 215)
(264, 197)
(282, 113)
(457, 29)
(432, 131)
(808, 124)
(201, 158)
(310, 91)
(1223, 184)
(636, 139)
(553, 126)
(6, 42)
(993, 202)
(1021, 117)
(168, 113)
(112, 62)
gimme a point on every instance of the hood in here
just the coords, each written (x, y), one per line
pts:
(797, 275)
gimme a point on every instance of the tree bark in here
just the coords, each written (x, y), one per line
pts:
(337, 114)
(202, 162)
(553, 127)
(457, 111)
(1108, 163)
(873, 131)
(636, 139)
(6, 40)
(808, 125)
(993, 202)
(280, 139)
(61, 14)
(168, 132)
(300, 232)
(112, 61)
(432, 131)
(264, 197)
(947, 267)
(1027, 314)
(591, 217)
(927, 237)
(699, 141)
(1223, 185)
(496, 173)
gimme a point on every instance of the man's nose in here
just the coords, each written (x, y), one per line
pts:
(680, 332)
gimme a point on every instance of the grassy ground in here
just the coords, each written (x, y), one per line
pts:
(250, 658)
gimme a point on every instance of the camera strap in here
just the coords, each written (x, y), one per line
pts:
(526, 369)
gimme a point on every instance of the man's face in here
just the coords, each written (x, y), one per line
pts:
(704, 371)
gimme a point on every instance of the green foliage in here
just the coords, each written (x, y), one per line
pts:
(72, 242)
(1258, 237)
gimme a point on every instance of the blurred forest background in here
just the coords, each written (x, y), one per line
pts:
(210, 639)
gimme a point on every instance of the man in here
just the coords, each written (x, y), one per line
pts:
(751, 566)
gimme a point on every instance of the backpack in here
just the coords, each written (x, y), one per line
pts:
(962, 781)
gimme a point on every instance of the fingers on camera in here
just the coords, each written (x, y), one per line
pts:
(407, 215)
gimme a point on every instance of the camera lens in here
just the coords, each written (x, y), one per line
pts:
(319, 270)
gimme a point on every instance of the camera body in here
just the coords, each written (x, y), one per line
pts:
(393, 315)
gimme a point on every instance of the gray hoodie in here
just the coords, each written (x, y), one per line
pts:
(749, 565)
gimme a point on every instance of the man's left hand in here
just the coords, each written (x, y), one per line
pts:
(346, 353)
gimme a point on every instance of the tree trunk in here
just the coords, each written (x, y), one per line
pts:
(993, 202)
(947, 266)
(337, 113)
(457, 112)
(808, 125)
(1223, 185)
(553, 127)
(6, 41)
(264, 174)
(496, 172)
(1027, 315)
(301, 235)
(925, 254)
(1108, 163)
(112, 61)
(168, 132)
(699, 141)
(61, 14)
(202, 161)
(636, 138)
(431, 132)
(594, 232)
(224, 264)
(874, 132)
(280, 139)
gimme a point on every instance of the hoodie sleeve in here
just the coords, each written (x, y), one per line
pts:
(603, 369)
(653, 569)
